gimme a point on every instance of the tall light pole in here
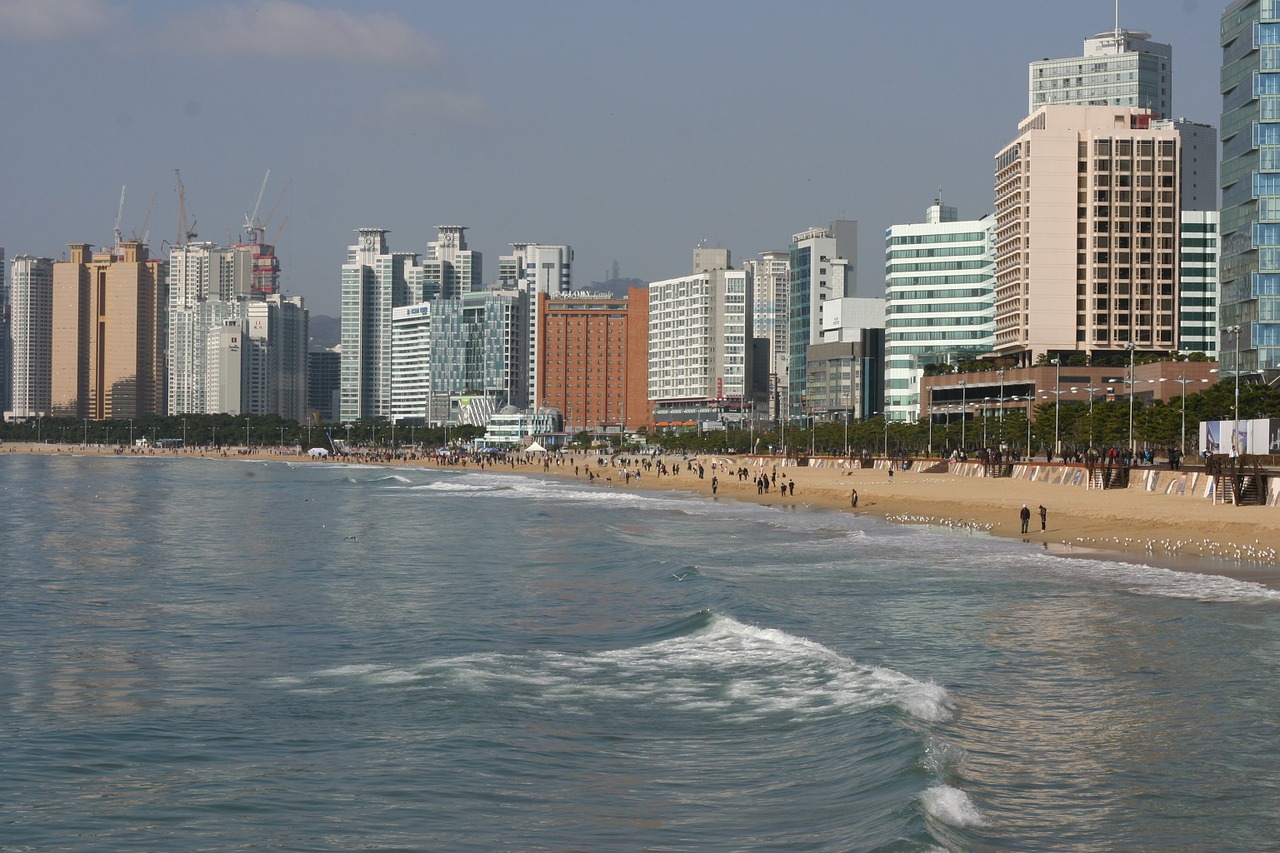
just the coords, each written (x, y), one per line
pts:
(1130, 347)
(131, 432)
(1235, 412)
(963, 404)
(184, 433)
(1183, 381)
(1057, 404)
(1090, 388)
(1000, 373)
(86, 432)
(246, 433)
(986, 405)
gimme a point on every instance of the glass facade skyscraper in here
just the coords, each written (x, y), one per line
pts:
(1249, 302)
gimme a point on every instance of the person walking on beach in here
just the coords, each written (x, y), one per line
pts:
(853, 499)
(1025, 515)
(1044, 514)
(715, 485)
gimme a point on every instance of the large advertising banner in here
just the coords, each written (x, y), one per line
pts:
(1235, 438)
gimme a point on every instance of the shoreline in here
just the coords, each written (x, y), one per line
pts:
(1181, 533)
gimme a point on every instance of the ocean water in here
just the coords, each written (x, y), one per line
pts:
(219, 655)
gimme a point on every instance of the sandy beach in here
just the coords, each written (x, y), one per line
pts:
(1179, 531)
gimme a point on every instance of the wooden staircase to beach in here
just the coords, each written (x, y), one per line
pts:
(1105, 474)
(1237, 480)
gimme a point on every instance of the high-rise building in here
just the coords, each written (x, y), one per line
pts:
(846, 371)
(1095, 269)
(700, 347)
(1198, 280)
(940, 300)
(324, 378)
(375, 281)
(194, 334)
(6, 343)
(478, 349)
(275, 348)
(771, 304)
(413, 398)
(1118, 68)
(537, 269)
(108, 349)
(30, 289)
(1249, 301)
(449, 268)
(594, 351)
(824, 263)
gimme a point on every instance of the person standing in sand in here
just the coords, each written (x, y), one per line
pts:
(1044, 515)
(1025, 515)
(853, 499)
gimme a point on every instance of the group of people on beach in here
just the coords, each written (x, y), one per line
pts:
(1025, 515)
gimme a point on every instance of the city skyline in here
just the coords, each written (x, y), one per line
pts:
(628, 135)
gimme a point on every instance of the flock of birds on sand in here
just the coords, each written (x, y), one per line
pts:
(1255, 552)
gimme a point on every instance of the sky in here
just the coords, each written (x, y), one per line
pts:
(628, 130)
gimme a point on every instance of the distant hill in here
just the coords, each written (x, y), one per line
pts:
(326, 331)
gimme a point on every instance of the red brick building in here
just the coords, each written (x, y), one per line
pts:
(593, 354)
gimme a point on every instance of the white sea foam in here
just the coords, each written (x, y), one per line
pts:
(951, 805)
(728, 668)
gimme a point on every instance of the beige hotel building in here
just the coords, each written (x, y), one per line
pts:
(108, 354)
(1086, 235)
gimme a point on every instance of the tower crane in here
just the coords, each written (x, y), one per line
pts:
(119, 214)
(185, 235)
(253, 228)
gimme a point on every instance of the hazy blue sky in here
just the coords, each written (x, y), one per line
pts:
(629, 130)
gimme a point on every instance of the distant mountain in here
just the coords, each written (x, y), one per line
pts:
(326, 331)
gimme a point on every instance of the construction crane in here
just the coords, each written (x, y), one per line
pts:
(275, 239)
(119, 214)
(253, 228)
(185, 235)
(146, 220)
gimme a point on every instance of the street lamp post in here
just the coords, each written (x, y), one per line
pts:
(86, 432)
(131, 432)
(1235, 411)
(1183, 381)
(184, 433)
(963, 405)
(986, 405)
(1057, 404)
(1000, 373)
(1130, 347)
(885, 415)
(1090, 388)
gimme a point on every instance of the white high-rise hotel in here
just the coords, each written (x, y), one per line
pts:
(31, 325)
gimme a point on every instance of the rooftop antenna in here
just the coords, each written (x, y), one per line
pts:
(1117, 22)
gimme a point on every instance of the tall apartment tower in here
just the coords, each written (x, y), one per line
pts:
(939, 300)
(594, 349)
(275, 357)
(1095, 270)
(108, 350)
(771, 305)
(450, 269)
(824, 263)
(1249, 306)
(6, 343)
(700, 346)
(31, 296)
(375, 281)
(1118, 68)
